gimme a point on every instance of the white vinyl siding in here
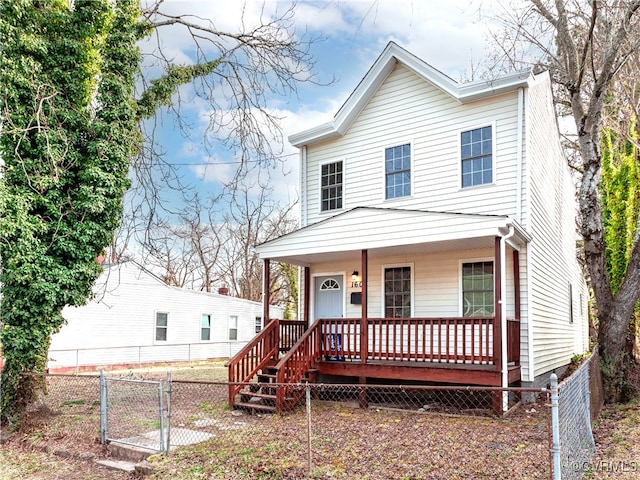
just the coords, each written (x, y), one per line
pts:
(117, 327)
(551, 218)
(404, 107)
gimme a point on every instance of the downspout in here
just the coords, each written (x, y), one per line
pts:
(519, 156)
(303, 186)
(503, 316)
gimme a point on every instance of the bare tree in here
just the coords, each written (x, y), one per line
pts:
(253, 218)
(592, 49)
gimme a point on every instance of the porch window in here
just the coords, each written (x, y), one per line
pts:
(258, 324)
(162, 324)
(233, 327)
(477, 289)
(397, 171)
(205, 328)
(397, 292)
(477, 157)
(331, 190)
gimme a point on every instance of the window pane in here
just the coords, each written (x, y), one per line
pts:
(477, 157)
(477, 289)
(161, 319)
(398, 171)
(331, 186)
(161, 334)
(397, 293)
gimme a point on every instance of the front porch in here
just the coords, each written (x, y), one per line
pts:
(479, 346)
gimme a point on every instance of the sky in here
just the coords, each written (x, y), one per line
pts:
(450, 35)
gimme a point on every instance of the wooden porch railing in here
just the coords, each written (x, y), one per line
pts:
(290, 333)
(295, 365)
(253, 357)
(276, 337)
(444, 340)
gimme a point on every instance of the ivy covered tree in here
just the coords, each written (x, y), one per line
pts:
(71, 129)
(620, 193)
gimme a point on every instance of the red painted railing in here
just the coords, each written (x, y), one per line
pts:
(258, 353)
(295, 365)
(447, 340)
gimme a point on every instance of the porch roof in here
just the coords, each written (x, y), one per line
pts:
(386, 231)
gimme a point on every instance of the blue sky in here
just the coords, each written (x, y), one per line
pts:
(448, 34)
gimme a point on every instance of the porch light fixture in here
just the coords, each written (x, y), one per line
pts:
(354, 275)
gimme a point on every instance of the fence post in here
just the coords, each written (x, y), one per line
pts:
(161, 416)
(103, 408)
(168, 409)
(308, 404)
(555, 427)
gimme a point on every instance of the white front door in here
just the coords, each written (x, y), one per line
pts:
(329, 296)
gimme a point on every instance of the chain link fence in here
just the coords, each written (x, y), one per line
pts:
(406, 431)
(579, 399)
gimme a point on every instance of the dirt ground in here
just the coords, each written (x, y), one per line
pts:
(61, 442)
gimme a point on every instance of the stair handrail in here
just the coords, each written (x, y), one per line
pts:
(296, 363)
(252, 359)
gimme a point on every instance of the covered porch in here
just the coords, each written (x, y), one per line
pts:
(457, 349)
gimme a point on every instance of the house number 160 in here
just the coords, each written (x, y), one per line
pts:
(356, 284)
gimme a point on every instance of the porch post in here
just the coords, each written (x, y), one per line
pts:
(497, 314)
(364, 324)
(266, 295)
(516, 283)
(307, 294)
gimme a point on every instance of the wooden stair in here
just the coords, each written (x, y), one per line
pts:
(261, 397)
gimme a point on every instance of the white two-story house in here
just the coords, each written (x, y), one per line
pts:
(437, 238)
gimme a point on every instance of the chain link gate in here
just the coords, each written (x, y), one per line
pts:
(135, 412)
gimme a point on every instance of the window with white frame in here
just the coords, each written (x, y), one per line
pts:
(397, 292)
(205, 328)
(477, 156)
(258, 324)
(331, 179)
(233, 327)
(397, 171)
(162, 325)
(477, 289)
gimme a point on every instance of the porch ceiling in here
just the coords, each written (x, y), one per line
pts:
(388, 232)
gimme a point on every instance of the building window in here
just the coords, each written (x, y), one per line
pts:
(570, 303)
(397, 171)
(258, 324)
(162, 323)
(397, 292)
(477, 158)
(233, 327)
(331, 190)
(205, 328)
(477, 289)
(330, 284)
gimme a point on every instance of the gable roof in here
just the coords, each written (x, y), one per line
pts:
(377, 74)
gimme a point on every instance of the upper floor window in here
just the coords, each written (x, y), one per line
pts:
(397, 292)
(477, 157)
(331, 189)
(477, 289)
(397, 171)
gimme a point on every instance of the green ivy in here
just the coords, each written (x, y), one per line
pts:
(69, 131)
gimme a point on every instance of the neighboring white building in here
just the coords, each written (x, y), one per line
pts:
(136, 318)
(453, 208)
